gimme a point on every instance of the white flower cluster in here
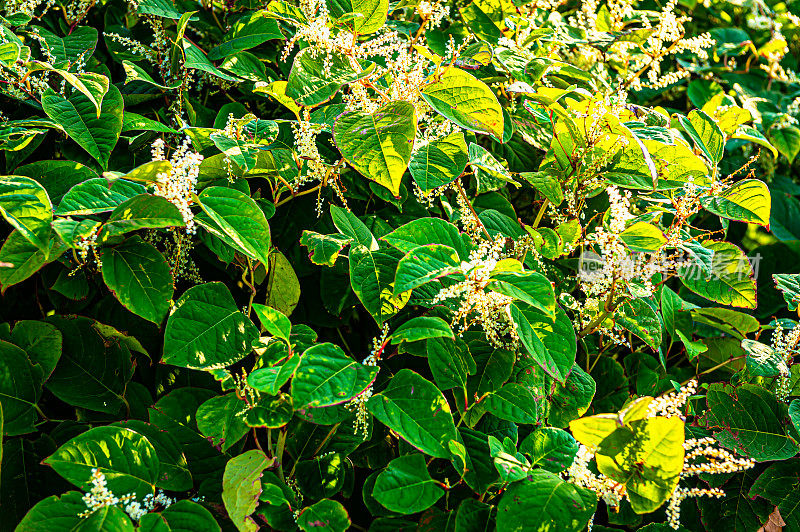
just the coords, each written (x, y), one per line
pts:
(100, 496)
(714, 461)
(681, 493)
(305, 142)
(178, 185)
(579, 474)
(701, 455)
(136, 510)
(489, 309)
(359, 402)
(786, 344)
(134, 47)
(671, 404)
(87, 244)
(401, 67)
(28, 7)
(614, 265)
(433, 13)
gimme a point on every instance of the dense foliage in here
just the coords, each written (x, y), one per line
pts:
(394, 266)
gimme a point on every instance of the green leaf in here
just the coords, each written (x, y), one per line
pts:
(41, 342)
(571, 400)
(514, 402)
(706, 134)
(416, 410)
(510, 464)
(271, 412)
(95, 356)
(283, 286)
(93, 86)
(182, 516)
(543, 501)
(756, 137)
(77, 115)
(481, 472)
(429, 231)
(126, 458)
(406, 486)
(274, 322)
(144, 211)
(270, 380)
(247, 32)
(207, 330)
(134, 72)
(237, 220)
(174, 471)
(424, 264)
(547, 184)
(317, 76)
(647, 456)
(196, 59)
(438, 163)
(550, 448)
(640, 317)
(326, 376)
(322, 476)
(159, 8)
(370, 15)
(175, 413)
(750, 420)
(530, 287)
(221, 420)
(54, 513)
(350, 226)
(748, 200)
(643, 237)
(489, 172)
(371, 277)
(763, 360)
(467, 101)
(473, 516)
(422, 328)
(450, 362)
(57, 177)
(323, 249)
(140, 278)
(241, 487)
(25, 205)
(729, 279)
(786, 140)
(23, 259)
(787, 283)
(324, 516)
(552, 345)
(136, 122)
(18, 390)
(97, 195)
(79, 43)
(378, 145)
(736, 510)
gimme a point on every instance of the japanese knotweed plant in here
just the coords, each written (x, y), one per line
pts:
(415, 265)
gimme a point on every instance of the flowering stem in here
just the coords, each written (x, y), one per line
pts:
(251, 285)
(540, 213)
(471, 208)
(653, 59)
(279, 452)
(303, 193)
(255, 439)
(714, 368)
